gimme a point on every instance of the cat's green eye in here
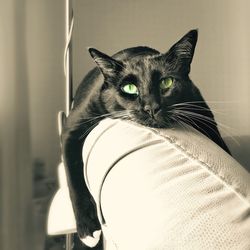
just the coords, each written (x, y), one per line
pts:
(130, 89)
(166, 83)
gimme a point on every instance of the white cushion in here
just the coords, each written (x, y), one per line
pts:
(166, 189)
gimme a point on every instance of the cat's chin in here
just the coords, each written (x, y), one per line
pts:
(152, 123)
(158, 125)
(148, 121)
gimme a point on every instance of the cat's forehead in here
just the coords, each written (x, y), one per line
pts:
(143, 64)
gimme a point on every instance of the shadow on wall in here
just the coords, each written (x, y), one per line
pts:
(239, 147)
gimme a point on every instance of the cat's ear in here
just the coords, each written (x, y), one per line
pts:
(107, 64)
(182, 52)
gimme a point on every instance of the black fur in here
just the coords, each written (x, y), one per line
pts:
(100, 95)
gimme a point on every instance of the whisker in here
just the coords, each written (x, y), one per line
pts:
(190, 121)
(87, 131)
(195, 107)
(115, 114)
(206, 118)
(207, 102)
(93, 119)
(177, 119)
(182, 122)
(107, 115)
(203, 119)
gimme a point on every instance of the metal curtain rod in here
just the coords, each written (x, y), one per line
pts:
(68, 76)
(68, 54)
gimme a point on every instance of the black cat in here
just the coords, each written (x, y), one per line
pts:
(139, 84)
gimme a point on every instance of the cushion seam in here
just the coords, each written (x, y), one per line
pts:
(205, 166)
(242, 196)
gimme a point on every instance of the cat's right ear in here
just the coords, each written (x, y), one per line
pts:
(182, 52)
(106, 64)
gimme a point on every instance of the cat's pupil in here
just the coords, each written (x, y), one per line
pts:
(130, 88)
(166, 83)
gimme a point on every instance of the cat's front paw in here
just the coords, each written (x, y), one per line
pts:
(88, 228)
(92, 241)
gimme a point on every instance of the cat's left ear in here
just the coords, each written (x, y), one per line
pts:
(182, 52)
(106, 64)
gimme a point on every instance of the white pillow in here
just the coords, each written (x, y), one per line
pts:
(166, 189)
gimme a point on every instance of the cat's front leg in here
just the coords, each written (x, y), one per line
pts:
(82, 201)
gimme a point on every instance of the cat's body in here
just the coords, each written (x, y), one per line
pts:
(139, 84)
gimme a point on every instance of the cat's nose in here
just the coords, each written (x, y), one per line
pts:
(152, 110)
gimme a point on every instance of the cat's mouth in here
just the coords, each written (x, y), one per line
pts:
(156, 121)
(153, 121)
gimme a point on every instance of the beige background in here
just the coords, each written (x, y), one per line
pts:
(32, 80)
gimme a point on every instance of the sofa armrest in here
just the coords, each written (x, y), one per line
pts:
(166, 189)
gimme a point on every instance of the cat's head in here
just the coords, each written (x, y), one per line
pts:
(143, 83)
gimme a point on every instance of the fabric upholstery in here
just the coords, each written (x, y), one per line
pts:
(166, 189)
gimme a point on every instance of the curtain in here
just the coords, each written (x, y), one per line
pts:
(15, 163)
